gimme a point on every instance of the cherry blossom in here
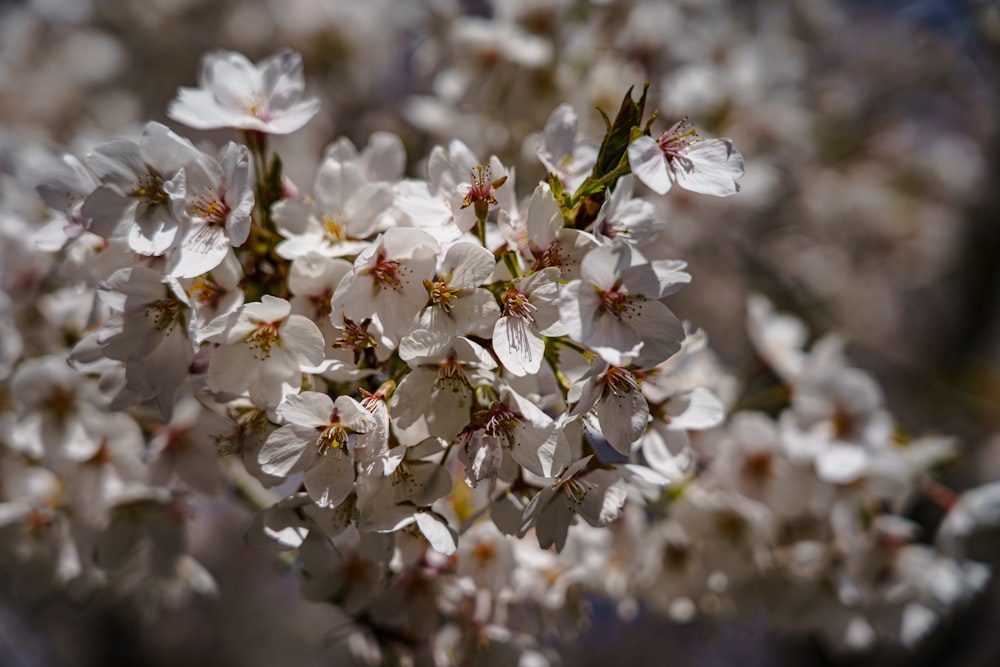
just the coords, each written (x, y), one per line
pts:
(263, 350)
(679, 155)
(233, 92)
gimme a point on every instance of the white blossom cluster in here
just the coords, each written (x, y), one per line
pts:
(407, 374)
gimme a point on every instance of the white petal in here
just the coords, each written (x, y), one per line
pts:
(649, 164)
(331, 480)
(623, 418)
(709, 166)
(439, 534)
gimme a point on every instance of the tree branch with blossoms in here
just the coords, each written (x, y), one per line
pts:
(474, 407)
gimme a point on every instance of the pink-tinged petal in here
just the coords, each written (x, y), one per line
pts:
(611, 338)
(167, 367)
(353, 415)
(154, 232)
(605, 499)
(364, 208)
(623, 418)
(230, 75)
(575, 304)
(519, 348)
(649, 164)
(294, 117)
(662, 332)
(117, 162)
(384, 157)
(303, 339)
(558, 137)
(709, 166)
(202, 249)
(413, 396)
(439, 534)
(232, 369)
(842, 463)
(695, 410)
(294, 217)
(424, 483)
(279, 375)
(268, 309)
(288, 449)
(198, 109)
(668, 452)
(467, 265)
(671, 276)
(542, 451)
(543, 219)
(337, 182)
(552, 526)
(310, 408)
(331, 480)
(108, 212)
(605, 265)
(165, 150)
(475, 313)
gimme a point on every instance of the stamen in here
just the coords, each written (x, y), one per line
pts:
(516, 304)
(442, 294)
(262, 339)
(620, 381)
(386, 273)
(618, 304)
(332, 438)
(166, 313)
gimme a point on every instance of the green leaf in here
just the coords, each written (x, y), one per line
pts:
(615, 145)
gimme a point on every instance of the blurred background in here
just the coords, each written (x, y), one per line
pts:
(869, 207)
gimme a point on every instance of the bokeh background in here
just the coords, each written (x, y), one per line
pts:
(869, 207)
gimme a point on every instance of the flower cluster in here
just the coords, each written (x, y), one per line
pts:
(407, 374)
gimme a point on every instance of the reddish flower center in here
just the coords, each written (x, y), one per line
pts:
(386, 273)
(674, 141)
(616, 303)
(516, 304)
(262, 339)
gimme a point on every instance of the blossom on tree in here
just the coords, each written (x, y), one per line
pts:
(233, 92)
(214, 203)
(263, 349)
(317, 440)
(679, 155)
(139, 181)
(614, 309)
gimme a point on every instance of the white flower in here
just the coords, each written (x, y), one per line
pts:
(215, 204)
(264, 349)
(597, 495)
(57, 411)
(623, 217)
(458, 305)
(777, 337)
(530, 311)
(614, 309)
(346, 209)
(614, 394)
(440, 388)
(316, 440)
(66, 186)
(236, 93)
(516, 425)
(708, 166)
(148, 330)
(542, 238)
(187, 447)
(388, 281)
(138, 183)
(559, 151)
